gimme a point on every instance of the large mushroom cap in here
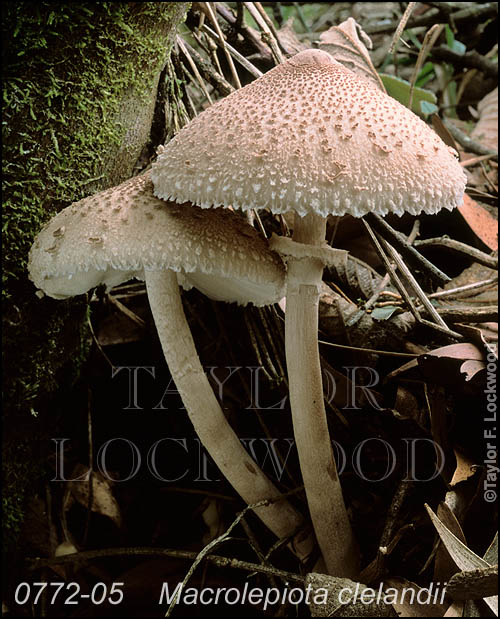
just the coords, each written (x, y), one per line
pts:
(115, 235)
(310, 134)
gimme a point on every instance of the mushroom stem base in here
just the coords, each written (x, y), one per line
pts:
(208, 419)
(319, 472)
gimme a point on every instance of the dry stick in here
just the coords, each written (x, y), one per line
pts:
(193, 66)
(486, 9)
(138, 551)
(302, 20)
(90, 498)
(383, 283)
(470, 314)
(414, 284)
(401, 26)
(430, 38)
(471, 59)
(402, 290)
(217, 80)
(246, 64)
(375, 351)
(317, 463)
(247, 33)
(272, 28)
(207, 417)
(475, 160)
(375, 569)
(267, 35)
(391, 271)
(468, 143)
(223, 45)
(204, 553)
(462, 248)
(398, 240)
(466, 290)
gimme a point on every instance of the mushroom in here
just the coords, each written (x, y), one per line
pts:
(126, 232)
(311, 136)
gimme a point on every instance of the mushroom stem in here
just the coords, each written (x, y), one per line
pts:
(208, 419)
(319, 471)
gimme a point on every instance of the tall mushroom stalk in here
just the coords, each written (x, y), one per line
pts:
(127, 232)
(207, 417)
(312, 137)
(312, 436)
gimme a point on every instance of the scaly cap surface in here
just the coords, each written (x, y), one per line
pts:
(310, 134)
(114, 235)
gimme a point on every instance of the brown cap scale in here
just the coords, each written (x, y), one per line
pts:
(126, 232)
(310, 134)
(119, 233)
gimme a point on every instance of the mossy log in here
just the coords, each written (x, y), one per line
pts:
(80, 83)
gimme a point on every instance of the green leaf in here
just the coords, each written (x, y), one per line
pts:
(414, 39)
(450, 37)
(452, 43)
(400, 90)
(427, 108)
(384, 313)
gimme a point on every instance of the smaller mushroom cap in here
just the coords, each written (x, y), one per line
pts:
(310, 135)
(117, 234)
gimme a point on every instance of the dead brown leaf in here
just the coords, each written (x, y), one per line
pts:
(103, 500)
(465, 468)
(447, 364)
(481, 222)
(409, 606)
(444, 566)
(486, 129)
(348, 44)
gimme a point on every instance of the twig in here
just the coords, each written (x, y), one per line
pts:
(182, 47)
(98, 344)
(270, 339)
(466, 250)
(207, 549)
(300, 15)
(466, 290)
(126, 311)
(487, 9)
(388, 353)
(271, 27)
(472, 60)
(267, 34)
(401, 26)
(383, 283)
(376, 568)
(430, 38)
(249, 34)
(414, 284)
(256, 348)
(475, 160)
(90, 499)
(206, 69)
(236, 54)
(399, 285)
(137, 551)
(414, 257)
(469, 314)
(223, 45)
(391, 270)
(468, 143)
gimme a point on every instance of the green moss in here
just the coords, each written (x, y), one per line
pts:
(78, 94)
(79, 91)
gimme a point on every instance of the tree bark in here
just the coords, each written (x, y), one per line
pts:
(80, 83)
